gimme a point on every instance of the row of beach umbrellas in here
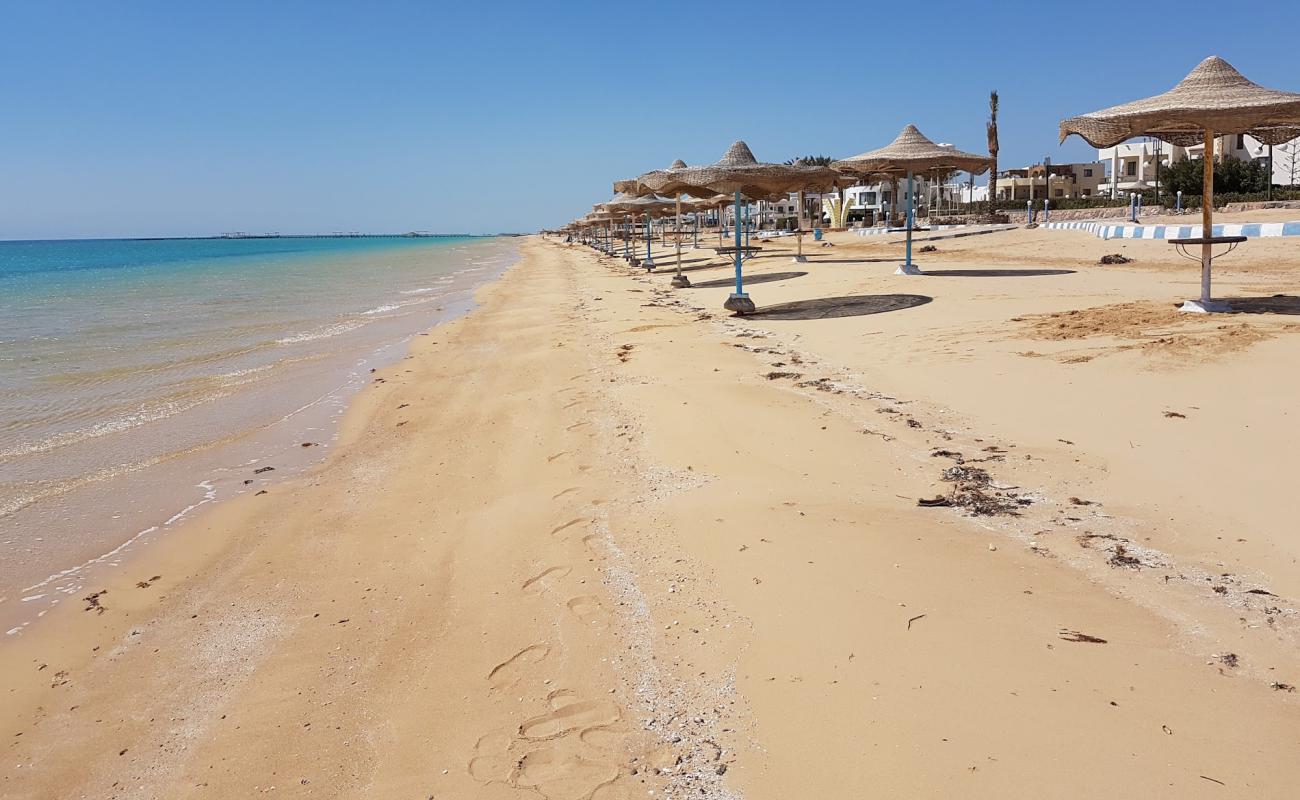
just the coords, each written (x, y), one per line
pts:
(1213, 100)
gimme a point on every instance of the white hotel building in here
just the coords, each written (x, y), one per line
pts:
(1132, 165)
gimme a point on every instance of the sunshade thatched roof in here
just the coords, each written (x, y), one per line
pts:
(738, 170)
(668, 182)
(1214, 97)
(911, 151)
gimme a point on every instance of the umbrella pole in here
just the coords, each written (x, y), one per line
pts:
(739, 302)
(679, 280)
(798, 257)
(649, 234)
(1207, 230)
(908, 267)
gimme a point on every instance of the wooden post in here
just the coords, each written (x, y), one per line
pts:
(1207, 214)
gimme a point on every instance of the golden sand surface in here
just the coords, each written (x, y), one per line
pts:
(599, 539)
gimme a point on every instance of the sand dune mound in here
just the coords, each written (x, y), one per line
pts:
(1149, 327)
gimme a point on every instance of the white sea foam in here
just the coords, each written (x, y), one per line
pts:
(143, 416)
(384, 309)
(321, 333)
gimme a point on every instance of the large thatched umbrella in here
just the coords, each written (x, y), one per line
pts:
(739, 173)
(663, 182)
(909, 153)
(1214, 99)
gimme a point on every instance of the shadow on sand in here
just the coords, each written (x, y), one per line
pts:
(857, 305)
(813, 258)
(995, 273)
(1277, 304)
(761, 277)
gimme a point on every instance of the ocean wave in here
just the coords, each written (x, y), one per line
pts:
(321, 333)
(384, 309)
(142, 416)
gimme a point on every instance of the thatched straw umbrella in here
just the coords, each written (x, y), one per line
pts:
(664, 184)
(617, 206)
(1214, 99)
(650, 205)
(739, 173)
(909, 153)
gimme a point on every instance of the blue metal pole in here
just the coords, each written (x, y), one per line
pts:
(1178, 204)
(908, 262)
(740, 284)
(649, 260)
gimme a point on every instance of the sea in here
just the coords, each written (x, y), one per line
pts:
(144, 380)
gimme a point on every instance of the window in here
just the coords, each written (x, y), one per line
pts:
(1130, 168)
(1060, 193)
(1087, 172)
(1241, 141)
(1087, 192)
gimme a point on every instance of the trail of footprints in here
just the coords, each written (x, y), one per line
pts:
(574, 749)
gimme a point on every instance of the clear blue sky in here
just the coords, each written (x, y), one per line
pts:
(175, 118)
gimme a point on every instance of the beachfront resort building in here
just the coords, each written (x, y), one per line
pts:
(1065, 181)
(1133, 164)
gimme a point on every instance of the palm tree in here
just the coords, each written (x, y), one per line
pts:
(992, 128)
(813, 161)
(809, 161)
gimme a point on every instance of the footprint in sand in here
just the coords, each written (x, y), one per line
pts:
(568, 713)
(589, 611)
(568, 524)
(545, 579)
(606, 738)
(510, 670)
(492, 761)
(558, 775)
(558, 495)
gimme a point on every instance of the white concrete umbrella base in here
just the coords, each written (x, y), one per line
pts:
(908, 269)
(1205, 306)
(800, 259)
(740, 304)
(681, 281)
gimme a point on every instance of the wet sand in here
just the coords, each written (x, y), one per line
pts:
(598, 539)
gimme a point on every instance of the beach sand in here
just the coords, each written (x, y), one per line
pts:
(598, 539)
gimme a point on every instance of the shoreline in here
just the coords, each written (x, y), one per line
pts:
(601, 540)
(217, 478)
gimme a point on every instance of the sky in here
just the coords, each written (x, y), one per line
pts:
(189, 118)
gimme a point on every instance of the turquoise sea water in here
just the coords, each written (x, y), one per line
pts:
(139, 379)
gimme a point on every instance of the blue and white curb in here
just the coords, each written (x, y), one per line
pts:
(1249, 229)
(880, 231)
